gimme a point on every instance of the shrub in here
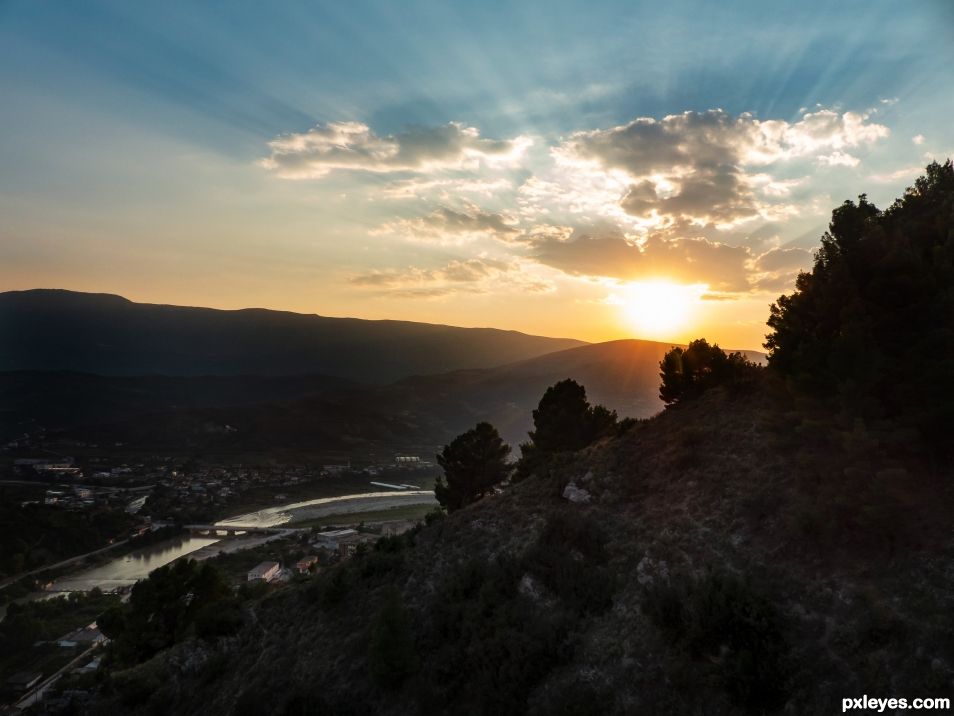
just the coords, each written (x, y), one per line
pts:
(724, 620)
(569, 559)
(391, 655)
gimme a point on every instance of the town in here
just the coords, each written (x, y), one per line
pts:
(161, 508)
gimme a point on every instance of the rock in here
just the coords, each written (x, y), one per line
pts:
(648, 570)
(576, 494)
(529, 588)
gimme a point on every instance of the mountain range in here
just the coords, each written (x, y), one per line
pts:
(77, 356)
(110, 335)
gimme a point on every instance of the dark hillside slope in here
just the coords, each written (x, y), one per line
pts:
(59, 400)
(424, 410)
(109, 335)
(623, 375)
(718, 568)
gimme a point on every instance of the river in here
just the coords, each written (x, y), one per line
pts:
(128, 569)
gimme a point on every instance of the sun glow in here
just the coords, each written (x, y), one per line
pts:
(659, 309)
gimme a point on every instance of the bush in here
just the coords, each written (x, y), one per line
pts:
(724, 620)
(488, 645)
(391, 655)
(328, 590)
(570, 559)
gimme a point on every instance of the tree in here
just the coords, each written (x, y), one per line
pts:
(686, 372)
(564, 421)
(871, 327)
(473, 463)
(175, 601)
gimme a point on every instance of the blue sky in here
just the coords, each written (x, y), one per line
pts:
(169, 151)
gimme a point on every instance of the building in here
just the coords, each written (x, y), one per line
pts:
(331, 539)
(264, 572)
(306, 564)
(87, 636)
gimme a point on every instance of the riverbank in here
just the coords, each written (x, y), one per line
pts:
(127, 569)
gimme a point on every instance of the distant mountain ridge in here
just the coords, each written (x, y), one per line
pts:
(318, 412)
(50, 329)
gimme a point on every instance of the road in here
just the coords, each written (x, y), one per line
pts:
(36, 695)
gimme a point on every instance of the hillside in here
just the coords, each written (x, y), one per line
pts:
(623, 375)
(109, 335)
(717, 568)
(316, 412)
(61, 400)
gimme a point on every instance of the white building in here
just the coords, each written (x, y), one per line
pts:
(265, 572)
(332, 538)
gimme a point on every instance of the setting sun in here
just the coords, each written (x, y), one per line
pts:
(659, 309)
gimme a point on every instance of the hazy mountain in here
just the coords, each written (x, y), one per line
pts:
(622, 375)
(109, 335)
(317, 413)
(65, 399)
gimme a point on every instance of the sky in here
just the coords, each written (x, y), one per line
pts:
(595, 170)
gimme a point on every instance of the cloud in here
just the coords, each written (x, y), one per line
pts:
(474, 275)
(909, 173)
(784, 260)
(610, 254)
(449, 226)
(918, 139)
(699, 166)
(353, 146)
(776, 270)
(838, 159)
(445, 189)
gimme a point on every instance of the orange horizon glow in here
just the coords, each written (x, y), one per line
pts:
(660, 311)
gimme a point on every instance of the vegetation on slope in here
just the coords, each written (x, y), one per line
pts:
(747, 551)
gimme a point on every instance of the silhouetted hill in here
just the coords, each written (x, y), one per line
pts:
(715, 566)
(623, 375)
(109, 335)
(318, 413)
(58, 400)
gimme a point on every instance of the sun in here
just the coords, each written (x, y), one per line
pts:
(659, 309)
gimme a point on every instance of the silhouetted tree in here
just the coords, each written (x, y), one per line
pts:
(473, 463)
(872, 325)
(561, 420)
(564, 421)
(686, 372)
